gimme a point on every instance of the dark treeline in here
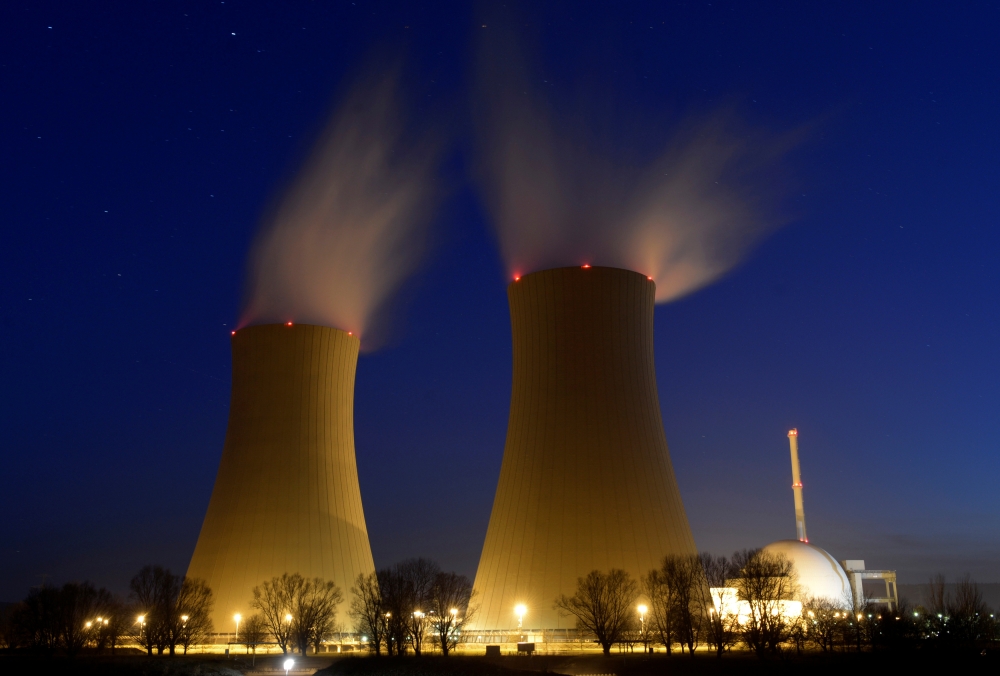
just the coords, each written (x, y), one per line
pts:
(162, 612)
(412, 606)
(752, 600)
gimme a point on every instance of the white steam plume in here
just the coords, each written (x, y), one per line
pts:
(683, 219)
(352, 226)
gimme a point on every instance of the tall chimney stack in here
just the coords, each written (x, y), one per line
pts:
(800, 512)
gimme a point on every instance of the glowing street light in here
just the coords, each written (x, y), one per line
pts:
(237, 617)
(142, 621)
(289, 663)
(642, 623)
(520, 609)
(184, 619)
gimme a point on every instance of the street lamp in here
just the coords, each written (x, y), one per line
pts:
(142, 621)
(289, 663)
(520, 609)
(237, 617)
(642, 624)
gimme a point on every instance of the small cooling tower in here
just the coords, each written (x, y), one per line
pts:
(286, 498)
(586, 481)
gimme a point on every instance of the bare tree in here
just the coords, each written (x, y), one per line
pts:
(153, 591)
(254, 632)
(450, 608)
(722, 622)
(367, 610)
(676, 592)
(397, 604)
(603, 605)
(969, 618)
(315, 613)
(824, 619)
(298, 610)
(191, 617)
(658, 589)
(419, 576)
(765, 581)
(687, 580)
(275, 599)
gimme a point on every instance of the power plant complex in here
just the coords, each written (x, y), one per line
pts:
(586, 481)
(286, 497)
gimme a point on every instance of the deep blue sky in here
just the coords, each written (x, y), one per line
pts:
(142, 141)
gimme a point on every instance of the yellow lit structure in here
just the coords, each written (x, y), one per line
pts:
(727, 603)
(586, 481)
(800, 510)
(286, 497)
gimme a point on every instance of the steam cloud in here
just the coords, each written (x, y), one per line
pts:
(352, 227)
(684, 218)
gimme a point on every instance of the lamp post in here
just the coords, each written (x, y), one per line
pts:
(520, 609)
(289, 663)
(237, 617)
(642, 625)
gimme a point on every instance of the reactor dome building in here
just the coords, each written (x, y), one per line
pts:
(286, 496)
(586, 480)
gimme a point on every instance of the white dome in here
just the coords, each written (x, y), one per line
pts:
(819, 574)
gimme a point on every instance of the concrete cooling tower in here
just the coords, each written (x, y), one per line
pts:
(586, 481)
(286, 498)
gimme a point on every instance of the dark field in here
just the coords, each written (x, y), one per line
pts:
(582, 665)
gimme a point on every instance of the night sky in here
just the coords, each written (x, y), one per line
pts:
(143, 142)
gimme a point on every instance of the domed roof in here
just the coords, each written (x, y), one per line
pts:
(819, 574)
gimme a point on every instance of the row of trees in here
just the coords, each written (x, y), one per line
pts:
(398, 607)
(163, 611)
(747, 599)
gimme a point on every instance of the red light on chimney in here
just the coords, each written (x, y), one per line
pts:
(289, 324)
(586, 265)
(350, 333)
(649, 278)
(793, 433)
(517, 278)
(233, 333)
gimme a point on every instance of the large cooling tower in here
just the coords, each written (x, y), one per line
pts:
(586, 481)
(286, 498)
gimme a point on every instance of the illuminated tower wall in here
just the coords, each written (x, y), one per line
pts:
(586, 481)
(286, 498)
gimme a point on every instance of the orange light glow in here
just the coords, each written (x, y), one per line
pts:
(586, 265)
(289, 324)
(233, 333)
(649, 278)
(517, 278)
(350, 333)
(793, 433)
